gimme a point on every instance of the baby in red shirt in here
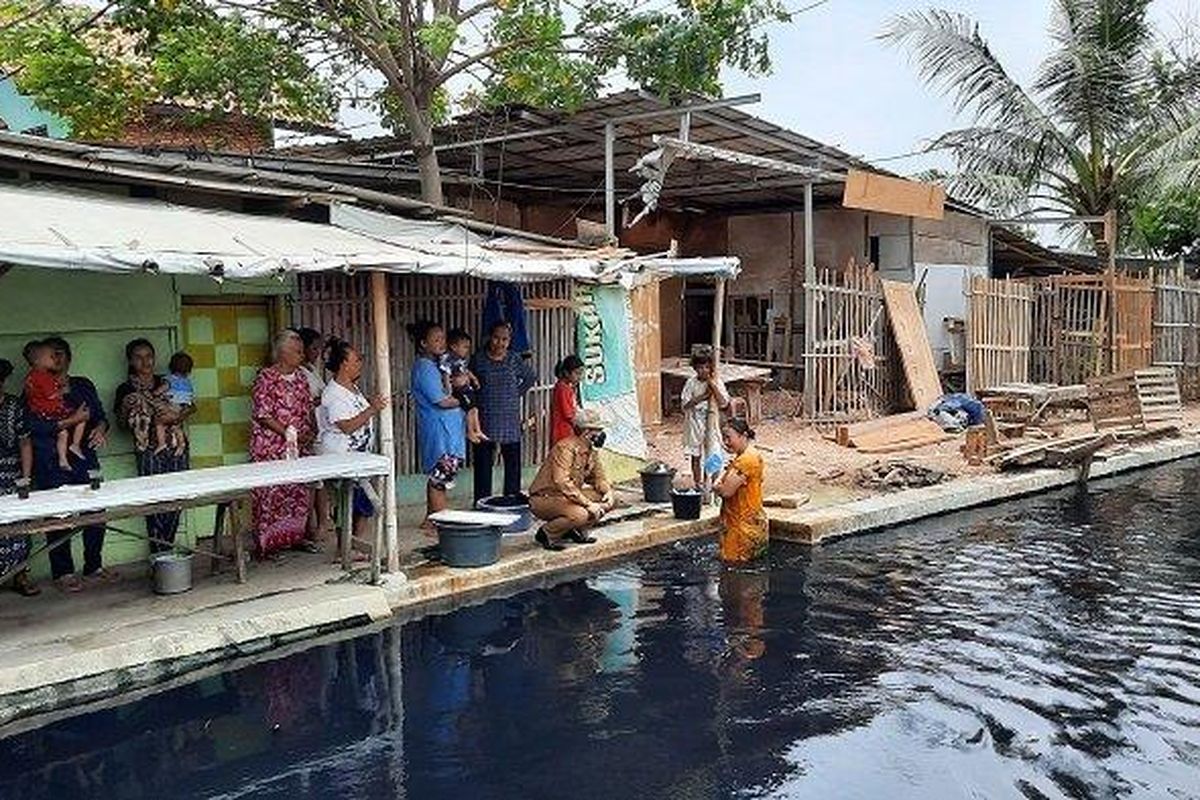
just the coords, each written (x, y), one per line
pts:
(46, 398)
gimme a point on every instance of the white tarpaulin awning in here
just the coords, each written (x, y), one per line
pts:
(55, 228)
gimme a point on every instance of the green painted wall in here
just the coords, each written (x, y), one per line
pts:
(98, 314)
(21, 114)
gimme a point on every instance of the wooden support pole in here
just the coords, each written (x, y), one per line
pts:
(387, 432)
(712, 419)
(810, 308)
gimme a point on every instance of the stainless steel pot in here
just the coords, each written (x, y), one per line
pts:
(172, 572)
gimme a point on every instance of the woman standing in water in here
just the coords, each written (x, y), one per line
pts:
(744, 534)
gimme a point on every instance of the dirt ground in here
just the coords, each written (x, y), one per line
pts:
(800, 459)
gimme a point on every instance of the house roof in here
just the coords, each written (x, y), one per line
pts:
(125, 165)
(53, 227)
(524, 150)
(292, 180)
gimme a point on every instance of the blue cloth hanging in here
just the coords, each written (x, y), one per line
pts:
(503, 303)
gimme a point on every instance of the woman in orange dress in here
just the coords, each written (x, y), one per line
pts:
(744, 522)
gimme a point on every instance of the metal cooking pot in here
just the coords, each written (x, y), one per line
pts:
(172, 572)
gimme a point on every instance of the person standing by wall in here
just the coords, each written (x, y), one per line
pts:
(320, 521)
(504, 378)
(137, 405)
(47, 474)
(441, 424)
(701, 389)
(16, 463)
(346, 419)
(281, 419)
(564, 402)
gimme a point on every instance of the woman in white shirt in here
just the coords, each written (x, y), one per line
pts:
(346, 419)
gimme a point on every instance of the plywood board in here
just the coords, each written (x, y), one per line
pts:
(903, 435)
(908, 328)
(847, 435)
(873, 192)
(647, 350)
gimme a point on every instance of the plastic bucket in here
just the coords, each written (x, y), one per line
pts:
(172, 572)
(686, 504)
(656, 483)
(509, 504)
(468, 545)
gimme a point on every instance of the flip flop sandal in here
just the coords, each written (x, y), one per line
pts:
(69, 584)
(103, 575)
(579, 537)
(25, 587)
(309, 547)
(542, 538)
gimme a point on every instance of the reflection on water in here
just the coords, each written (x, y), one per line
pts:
(1047, 649)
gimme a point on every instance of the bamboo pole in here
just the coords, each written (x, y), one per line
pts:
(711, 419)
(387, 432)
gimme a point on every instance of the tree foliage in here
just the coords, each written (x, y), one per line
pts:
(421, 57)
(100, 68)
(1109, 121)
(553, 54)
(1168, 225)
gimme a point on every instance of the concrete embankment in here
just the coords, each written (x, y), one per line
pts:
(58, 652)
(815, 525)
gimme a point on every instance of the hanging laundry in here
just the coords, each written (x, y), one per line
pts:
(503, 303)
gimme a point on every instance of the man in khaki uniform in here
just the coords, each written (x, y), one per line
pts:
(571, 493)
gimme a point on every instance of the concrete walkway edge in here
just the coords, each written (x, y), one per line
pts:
(813, 526)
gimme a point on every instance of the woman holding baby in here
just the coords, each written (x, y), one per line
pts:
(153, 408)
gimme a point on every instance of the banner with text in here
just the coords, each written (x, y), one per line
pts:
(604, 340)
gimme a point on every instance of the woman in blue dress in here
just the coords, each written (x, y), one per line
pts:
(441, 424)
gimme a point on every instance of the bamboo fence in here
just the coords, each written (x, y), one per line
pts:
(853, 358)
(339, 305)
(1177, 327)
(999, 332)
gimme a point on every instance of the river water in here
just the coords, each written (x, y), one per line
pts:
(1042, 649)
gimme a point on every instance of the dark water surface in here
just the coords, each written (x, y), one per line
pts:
(1041, 649)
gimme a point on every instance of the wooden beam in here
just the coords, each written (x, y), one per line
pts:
(387, 432)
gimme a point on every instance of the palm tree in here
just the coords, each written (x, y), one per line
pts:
(1110, 117)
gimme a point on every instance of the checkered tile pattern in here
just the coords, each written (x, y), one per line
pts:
(228, 344)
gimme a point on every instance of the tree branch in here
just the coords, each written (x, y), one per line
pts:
(484, 55)
(475, 10)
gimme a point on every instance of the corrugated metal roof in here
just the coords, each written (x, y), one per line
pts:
(568, 156)
(179, 171)
(54, 228)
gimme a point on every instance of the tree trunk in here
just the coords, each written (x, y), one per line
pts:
(430, 172)
(420, 135)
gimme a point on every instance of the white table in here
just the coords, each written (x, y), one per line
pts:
(75, 507)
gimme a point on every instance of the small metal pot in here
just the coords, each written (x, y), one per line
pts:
(172, 572)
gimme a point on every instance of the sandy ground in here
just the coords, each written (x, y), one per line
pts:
(801, 460)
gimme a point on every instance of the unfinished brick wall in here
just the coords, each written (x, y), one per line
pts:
(232, 132)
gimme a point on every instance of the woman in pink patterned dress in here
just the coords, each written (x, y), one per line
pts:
(281, 400)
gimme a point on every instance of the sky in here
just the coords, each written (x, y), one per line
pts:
(835, 82)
